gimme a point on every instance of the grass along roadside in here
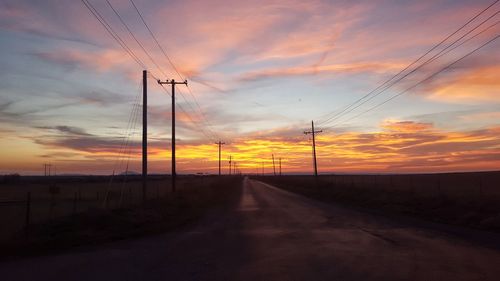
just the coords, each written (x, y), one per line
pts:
(455, 200)
(97, 226)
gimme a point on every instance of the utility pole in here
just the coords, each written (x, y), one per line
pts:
(47, 169)
(144, 133)
(313, 132)
(220, 143)
(274, 166)
(230, 158)
(280, 166)
(173, 83)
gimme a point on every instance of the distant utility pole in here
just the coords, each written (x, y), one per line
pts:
(144, 133)
(220, 143)
(47, 169)
(262, 167)
(313, 132)
(230, 158)
(173, 83)
(280, 166)
(274, 166)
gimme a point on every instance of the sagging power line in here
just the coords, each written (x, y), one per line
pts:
(335, 115)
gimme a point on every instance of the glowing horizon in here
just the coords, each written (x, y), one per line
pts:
(260, 73)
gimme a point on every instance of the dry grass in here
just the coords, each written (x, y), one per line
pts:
(466, 199)
(195, 197)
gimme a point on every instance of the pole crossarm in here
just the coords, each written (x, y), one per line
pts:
(172, 82)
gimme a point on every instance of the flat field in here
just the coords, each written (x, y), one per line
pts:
(467, 199)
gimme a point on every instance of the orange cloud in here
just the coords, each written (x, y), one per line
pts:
(379, 67)
(405, 126)
(103, 60)
(475, 85)
(400, 146)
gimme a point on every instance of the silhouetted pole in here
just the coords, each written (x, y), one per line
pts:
(220, 143)
(173, 83)
(144, 133)
(280, 166)
(230, 158)
(313, 132)
(47, 169)
(274, 166)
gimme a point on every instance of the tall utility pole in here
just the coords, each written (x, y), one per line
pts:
(313, 132)
(220, 143)
(173, 83)
(230, 159)
(144, 133)
(274, 166)
(280, 166)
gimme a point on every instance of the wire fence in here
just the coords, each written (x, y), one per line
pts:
(33, 200)
(479, 191)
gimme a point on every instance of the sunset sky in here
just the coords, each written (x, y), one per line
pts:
(259, 72)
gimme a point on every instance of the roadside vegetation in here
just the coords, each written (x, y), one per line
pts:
(465, 199)
(197, 197)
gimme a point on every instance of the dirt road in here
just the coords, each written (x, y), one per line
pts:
(276, 235)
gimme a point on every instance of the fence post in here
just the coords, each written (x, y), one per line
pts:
(75, 201)
(440, 194)
(481, 203)
(52, 204)
(28, 208)
(130, 199)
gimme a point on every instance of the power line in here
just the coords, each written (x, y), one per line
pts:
(202, 130)
(420, 82)
(111, 31)
(408, 66)
(156, 41)
(135, 38)
(203, 117)
(123, 44)
(429, 60)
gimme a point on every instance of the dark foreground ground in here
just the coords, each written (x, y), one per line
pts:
(126, 218)
(465, 199)
(272, 234)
